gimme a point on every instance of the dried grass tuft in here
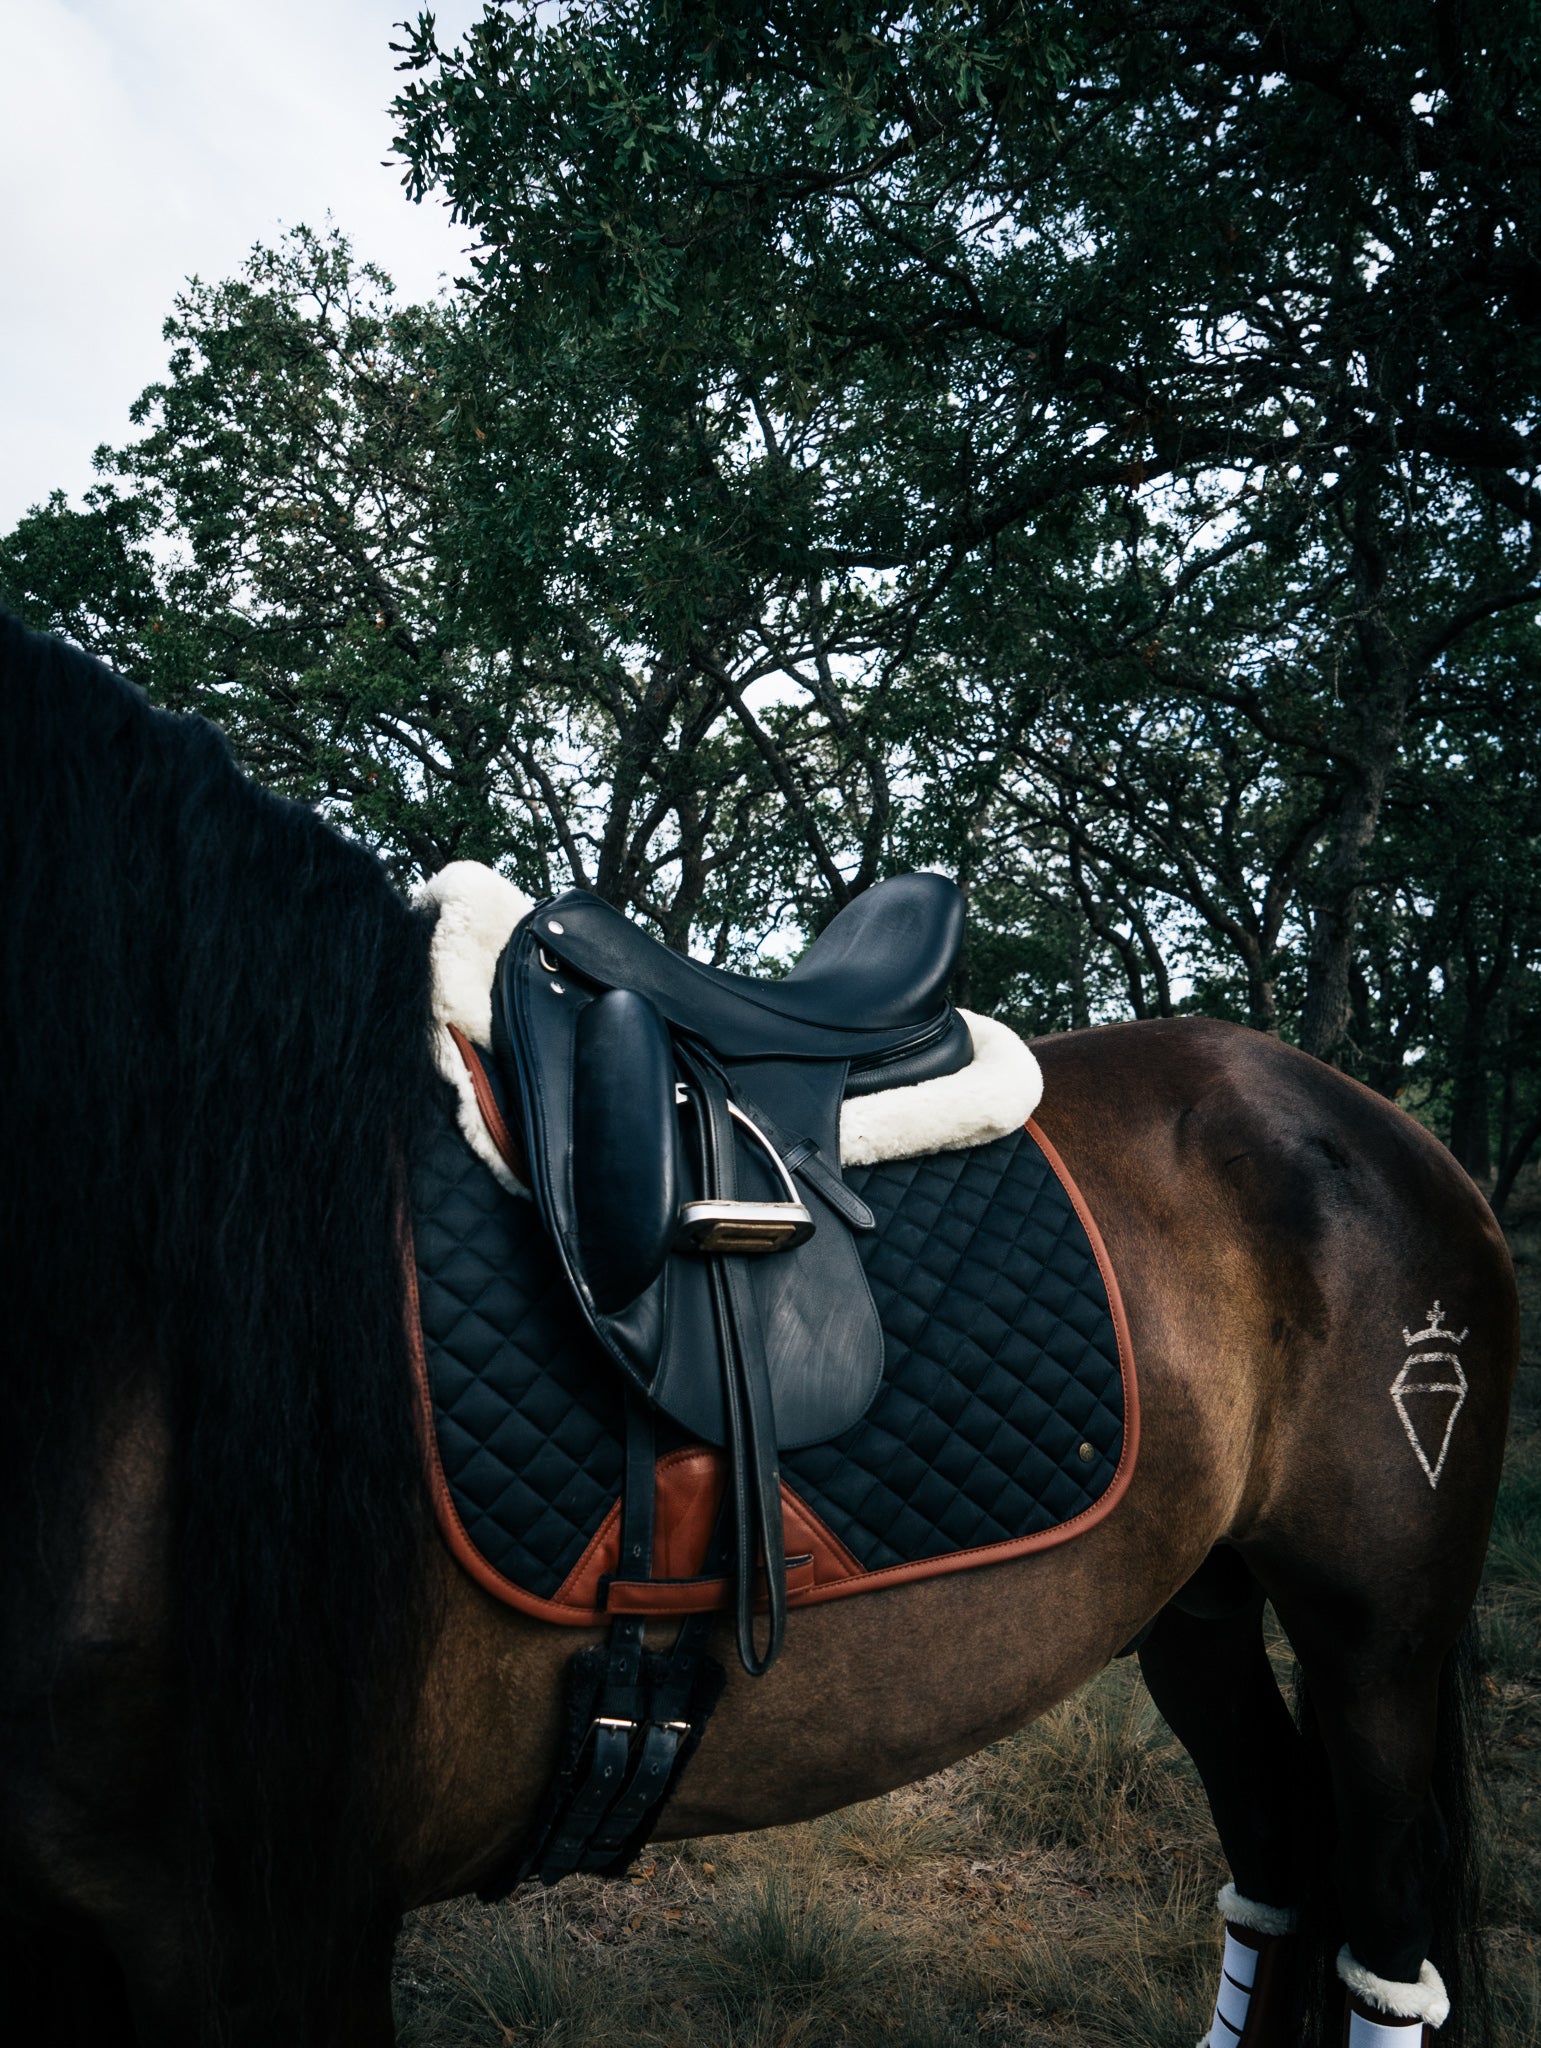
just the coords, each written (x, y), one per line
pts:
(1093, 1774)
(888, 1836)
(518, 1981)
(785, 1951)
(1143, 1972)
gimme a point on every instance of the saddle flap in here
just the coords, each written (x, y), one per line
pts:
(821, 1336)
(626, 1184)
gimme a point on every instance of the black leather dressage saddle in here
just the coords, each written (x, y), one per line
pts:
(682, 1130)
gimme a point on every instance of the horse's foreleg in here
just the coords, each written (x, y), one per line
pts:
(1215, 1688)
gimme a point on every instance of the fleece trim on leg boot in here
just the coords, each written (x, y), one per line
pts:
(1248, 2012)
(1378, 2013)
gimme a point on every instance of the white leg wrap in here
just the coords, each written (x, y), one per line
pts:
(1401, 2009)
(1234, 1998)
(1363, 2033)
(1238, 1971)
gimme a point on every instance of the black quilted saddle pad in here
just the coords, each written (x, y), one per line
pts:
(1006, 1419)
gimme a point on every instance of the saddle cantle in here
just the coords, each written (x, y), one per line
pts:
(873, 981)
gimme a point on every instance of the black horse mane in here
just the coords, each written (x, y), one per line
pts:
(214, 1056)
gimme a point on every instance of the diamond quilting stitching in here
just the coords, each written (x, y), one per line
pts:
(527, 1408)
(1001, 1361)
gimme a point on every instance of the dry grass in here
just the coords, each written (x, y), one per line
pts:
(1054, 1892)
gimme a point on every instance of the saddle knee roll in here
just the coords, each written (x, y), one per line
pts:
(625, 1167)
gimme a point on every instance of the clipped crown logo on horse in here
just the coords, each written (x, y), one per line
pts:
(485, 1390)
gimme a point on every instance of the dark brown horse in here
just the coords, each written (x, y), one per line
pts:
(251, 1711)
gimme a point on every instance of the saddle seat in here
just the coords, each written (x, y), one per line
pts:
(871, 986)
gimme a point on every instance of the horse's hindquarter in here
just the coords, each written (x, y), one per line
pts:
(1323, 1309)
(1215, 1163)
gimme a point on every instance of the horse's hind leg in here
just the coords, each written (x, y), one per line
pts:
(62, 1988)
(1209, 1675)
(1375, 1697)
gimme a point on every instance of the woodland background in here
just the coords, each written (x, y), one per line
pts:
(1090, 448)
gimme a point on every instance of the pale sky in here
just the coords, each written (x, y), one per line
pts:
(142, 141)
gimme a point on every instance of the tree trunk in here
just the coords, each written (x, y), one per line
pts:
(1382, 714)
(1080, 1007)
(1509, 1167)
(1335, 916)
(1471, 1135)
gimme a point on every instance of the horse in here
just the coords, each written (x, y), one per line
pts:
(251, 1710)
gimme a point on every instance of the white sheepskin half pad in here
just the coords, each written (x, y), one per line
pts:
(478, 908)
(1249, 1913)
(1427, 2000)
(997, 1092)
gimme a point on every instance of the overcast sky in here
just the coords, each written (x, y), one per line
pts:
(143, 141)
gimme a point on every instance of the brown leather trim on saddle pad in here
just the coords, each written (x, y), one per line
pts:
(510, 1150)
(690, 1483)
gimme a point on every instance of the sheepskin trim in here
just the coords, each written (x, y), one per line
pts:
(1249, 1913)
(996, 1093)
(1427, 2000)
(477, 909)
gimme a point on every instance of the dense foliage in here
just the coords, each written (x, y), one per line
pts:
(1088, 447)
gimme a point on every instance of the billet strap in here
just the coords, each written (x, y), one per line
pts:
(754, 1474)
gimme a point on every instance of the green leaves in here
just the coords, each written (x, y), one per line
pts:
(1087, 448)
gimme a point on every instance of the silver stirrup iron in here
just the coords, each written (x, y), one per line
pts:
(748, 1229)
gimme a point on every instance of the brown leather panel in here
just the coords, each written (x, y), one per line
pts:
(695, 1596)
(685, 1507)
(806, 1532)
(687, 1492)
(510, 1148)
(690, 1482)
